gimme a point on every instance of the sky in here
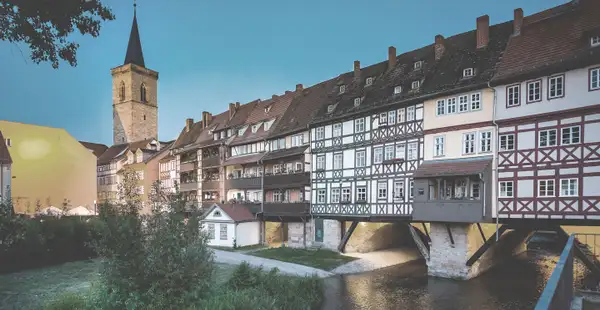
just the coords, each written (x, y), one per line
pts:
(210, 53)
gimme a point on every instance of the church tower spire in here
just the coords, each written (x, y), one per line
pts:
(134, 48)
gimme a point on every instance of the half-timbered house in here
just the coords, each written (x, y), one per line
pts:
(548, 116)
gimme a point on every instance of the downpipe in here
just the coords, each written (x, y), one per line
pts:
(495, 161)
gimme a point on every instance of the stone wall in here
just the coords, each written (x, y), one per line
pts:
(369, 237)
(296, 234)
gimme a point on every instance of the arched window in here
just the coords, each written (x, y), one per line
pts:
(143, 93)
(122, 91)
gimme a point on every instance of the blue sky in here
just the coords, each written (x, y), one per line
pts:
(210, 53)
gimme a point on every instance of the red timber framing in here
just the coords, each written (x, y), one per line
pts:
(574, 161)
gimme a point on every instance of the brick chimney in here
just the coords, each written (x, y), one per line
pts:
(518, 22)
(188, 124)
(231, 109)
(357, 69)
(391, 57)
(237, 106)
(439, 47)
(299, 87)
(274, 97)
(206, 118)
(483, 31)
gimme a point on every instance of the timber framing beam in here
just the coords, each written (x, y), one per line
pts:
(488, 243)
(450, 234)
(481, 232)
(426, 232)
(346, 237)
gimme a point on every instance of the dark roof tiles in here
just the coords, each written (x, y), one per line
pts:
(4, 153)
(96, 148)
(453, 167)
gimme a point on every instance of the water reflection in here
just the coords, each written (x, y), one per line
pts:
(517, 284)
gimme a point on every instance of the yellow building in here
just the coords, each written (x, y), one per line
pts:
(49, 167)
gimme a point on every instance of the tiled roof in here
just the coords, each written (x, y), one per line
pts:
(4, 153)
(285, 153)
(188, 137)
(119, 150)
(96, 148)
(206, 137)
(238, 213)
(240, 115)
(245, 159)
(453, 167)
(134, 53)
(552, 41)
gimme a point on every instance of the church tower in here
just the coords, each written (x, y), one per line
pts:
(135, 102)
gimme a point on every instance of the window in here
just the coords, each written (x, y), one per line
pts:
(122, 91)
(356, 102)
(361, 194)
(143, 93)
(299, 167)
(475, 101)
(211, 231)
(595, 41)
(507, 142)
(547, 138)
(410, 114)
(319, 135)
(568, 187)
(337, 130)
(534, 91)
(469, 143)
(418, 65)
(381, 190)
(506, 189)
(400, 151)
(401, 115)
(451, 105)
(513, 94)
(441, 107)
(570, 135)
(335, 195)
(439, 146)
(546, 188)
(397, 90)
(345, 195)
(342, 89)
(268, 125)
(330, 108)
(475, 190)
(320, 196)
(415, 85)
(485, 141)
(361, 158)
(413, 152)
(382, 118)
(398, 190)
(8, 142)
(297, 140)
(463, 103)
(468, 72)
(378, 155)
(321, 162)
(389, 152)
(411, 190)
(392, 117)
(359, 125)
(369, 81)
(556, 86)
(595, 79)
(338, 161)
(223, 231)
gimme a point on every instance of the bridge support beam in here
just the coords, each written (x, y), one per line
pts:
(459, 250)
(347, 236)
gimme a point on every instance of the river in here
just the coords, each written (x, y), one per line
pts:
(516, 284)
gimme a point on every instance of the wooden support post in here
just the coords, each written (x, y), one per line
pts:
(450, 234)
(488, 243)
(304, 231)
(426, 232)
(481, 232)
(282, 234)
(346, 237)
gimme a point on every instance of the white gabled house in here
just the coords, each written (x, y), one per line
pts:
(229, 225)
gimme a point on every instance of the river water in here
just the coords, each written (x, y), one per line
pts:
(516, 284)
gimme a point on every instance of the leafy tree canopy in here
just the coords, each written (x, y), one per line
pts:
(45, 25)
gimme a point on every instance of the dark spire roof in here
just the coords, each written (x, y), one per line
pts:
(134, 48)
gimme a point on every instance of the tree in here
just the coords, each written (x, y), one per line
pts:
(45, 25)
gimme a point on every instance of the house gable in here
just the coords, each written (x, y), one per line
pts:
(217, 214)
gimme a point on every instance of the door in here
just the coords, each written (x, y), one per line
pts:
(318, 230)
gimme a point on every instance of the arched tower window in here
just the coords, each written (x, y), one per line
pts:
(143, 93)
(122, 91)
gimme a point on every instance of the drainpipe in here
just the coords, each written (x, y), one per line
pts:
(262, 194)
(310, 174)
(482, 181)
(495, 161)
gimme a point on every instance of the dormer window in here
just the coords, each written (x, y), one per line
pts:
(8, 142)
(397, 90)
(342, 89)
(255, 128)
(356, 102)
(223, 134)
(267, 109)
(369, 81)
(468, 72)
(415, 85)
(595, 41)
(418, 65)
(268, 125)
(330, 108)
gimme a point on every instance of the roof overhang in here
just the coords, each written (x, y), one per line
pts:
(453, 167)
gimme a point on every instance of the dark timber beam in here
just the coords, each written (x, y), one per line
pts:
(481, 232)
(488, 243)
(426, 232)
(346, 237)
(450, 234)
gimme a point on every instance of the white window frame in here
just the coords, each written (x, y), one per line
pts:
(360, 161)
(551, 81)
(392, 117)
(485, 141)
(339, 159)
(400, 151)
(547, 133)
(369, 81)
(595, 41)
(546, 188)
(440, 107)
(506, 140)
(383, 118)
(321, 195)
(468, 143)
(415, 85)
(342, 89)
(320, 165)
(438, 146)
(534, 91)
(337, 130)
(320, 133)
(567, 192)
(475, 104)
(378, 155)
(398, 193)
(463, 103)
(211, 231)
(359, 125)
(361, 191)
(357, 101)
(388, 152)
(412, 153)
(468, 72)
(418, 65)
(401, 116)
(335, 195)
(382, 190)
(223, 232)
(513, 95)
(410, 113)
(451, 105)
(595, 78)
(504, 189)
(397, 90)
(571, 137)
(346, 195)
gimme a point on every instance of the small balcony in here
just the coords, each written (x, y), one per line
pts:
(243, 183)
(273, 181)
(282, 208)
(188, 166)
(189, 186)
(210, 185)
(212, 161)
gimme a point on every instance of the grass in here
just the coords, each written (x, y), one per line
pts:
(239, 249)
(30, 289)
(322, 259)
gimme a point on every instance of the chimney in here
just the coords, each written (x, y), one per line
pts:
(439, 47)
(518, 21)
(483, 31)
(357, 69)
(231, 110)
(391, 57)
(298, 87)
(237, 106)
(274, 97)
(287, 92)
(206, 118)
(188, 124)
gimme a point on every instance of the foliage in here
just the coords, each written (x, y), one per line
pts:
(67, 301)
(46, 26)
